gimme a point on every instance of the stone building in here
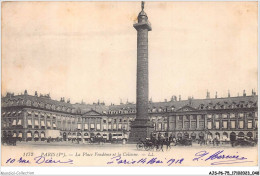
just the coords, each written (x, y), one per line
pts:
(33, 117)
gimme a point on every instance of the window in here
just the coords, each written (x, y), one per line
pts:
(159, 126)
(104, 121)
(104, 127)
(209, 116)
(165, 126)
(217, 124)
(224, 115)
(92, 126)
(109, 127)
(98, 126)
(114, 126)
(120, 120)
(119, 126)
(79, 126)
(36, 123)
(14, 122)
(48, 125)
(109, 120)
(256, 114)
(209, 125)
(232, 115)
(19, 122)
(86, 126)
(216, 116)
(224, 124)
(233, 124)
(241, 124)
(186, 125)
(256, 123)
(249, 124)
(241, 115)
(114, 120)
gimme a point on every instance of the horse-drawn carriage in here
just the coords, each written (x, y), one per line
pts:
(184, 142)
(9, 140)
(147, 145)
(243, 142)
(150, 144)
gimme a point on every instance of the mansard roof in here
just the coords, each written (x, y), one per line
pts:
(37, 102)
(196, 103)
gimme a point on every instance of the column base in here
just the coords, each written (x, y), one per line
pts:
(140, 129)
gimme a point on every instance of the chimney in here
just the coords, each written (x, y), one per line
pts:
(208, 95)
(25, 92)
(165, 100)
(68, 101)
(244, 93)
(190, 101)
(228, 93)
(179, 97)
(172, 99)
(216, 96)
(36, 94)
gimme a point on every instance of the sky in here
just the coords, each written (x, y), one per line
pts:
(88, 50)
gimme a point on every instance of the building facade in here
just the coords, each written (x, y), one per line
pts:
(33, 117)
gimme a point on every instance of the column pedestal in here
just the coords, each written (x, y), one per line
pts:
(140, 129)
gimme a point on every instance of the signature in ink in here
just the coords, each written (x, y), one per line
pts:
(220, 157)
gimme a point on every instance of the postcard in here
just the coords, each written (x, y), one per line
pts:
(129, 84)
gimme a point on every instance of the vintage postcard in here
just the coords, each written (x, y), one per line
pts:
(129, 84)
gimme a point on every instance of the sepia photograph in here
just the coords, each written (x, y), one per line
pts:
(135, 83)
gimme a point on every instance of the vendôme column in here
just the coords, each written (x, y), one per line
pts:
(142, 127)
